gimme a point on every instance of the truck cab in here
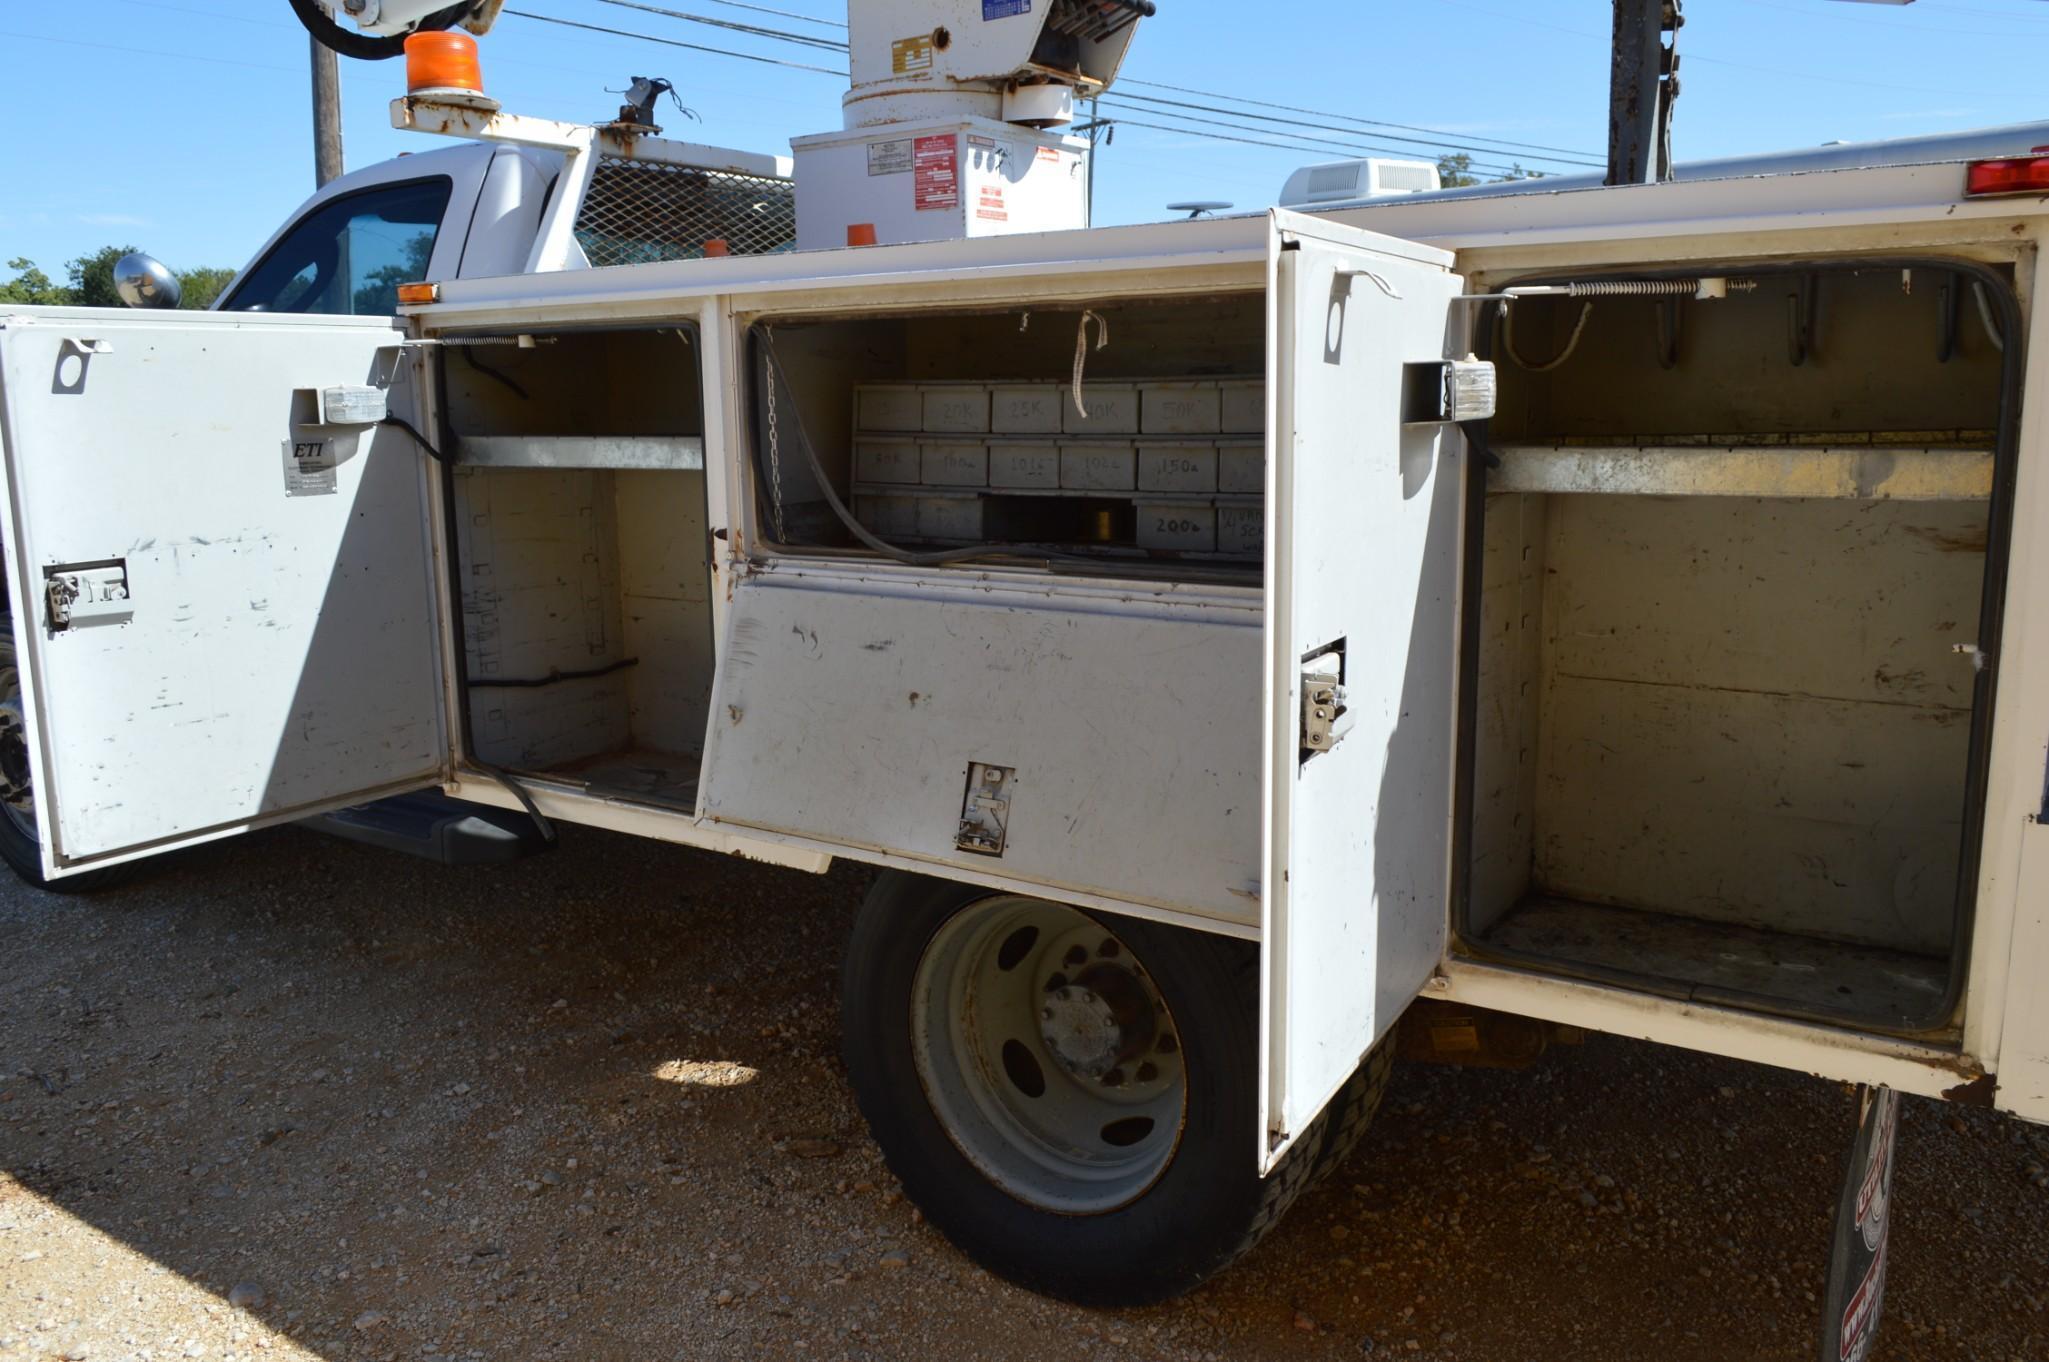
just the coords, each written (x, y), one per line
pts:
(518, 195)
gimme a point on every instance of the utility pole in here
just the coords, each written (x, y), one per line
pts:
(1101, 132)
(327, 134)
(1643, 82)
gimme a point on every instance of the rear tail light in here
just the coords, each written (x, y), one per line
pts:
(2009, 175)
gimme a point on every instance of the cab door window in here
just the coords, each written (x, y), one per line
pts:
(350, 255)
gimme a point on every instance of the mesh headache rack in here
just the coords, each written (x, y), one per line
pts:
(638, 211)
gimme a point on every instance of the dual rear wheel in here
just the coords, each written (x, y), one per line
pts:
(1071, 1097)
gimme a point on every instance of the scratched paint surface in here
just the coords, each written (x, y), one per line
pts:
(280, 653)
(1135, 736)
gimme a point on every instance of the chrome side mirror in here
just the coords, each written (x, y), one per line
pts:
(142, 281)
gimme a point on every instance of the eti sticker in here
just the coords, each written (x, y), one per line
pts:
(1004, 9)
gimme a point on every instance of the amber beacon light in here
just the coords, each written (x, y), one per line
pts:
(439, 63)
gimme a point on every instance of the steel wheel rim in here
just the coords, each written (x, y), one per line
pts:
(17, 794)
(1048, 1054)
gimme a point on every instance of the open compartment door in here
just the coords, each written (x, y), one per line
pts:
(1363, 518)
(218, 572)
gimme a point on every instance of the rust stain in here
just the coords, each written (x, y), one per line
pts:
(1969, 541)
(1978, 1092)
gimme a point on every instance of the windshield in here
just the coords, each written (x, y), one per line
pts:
(349, 255)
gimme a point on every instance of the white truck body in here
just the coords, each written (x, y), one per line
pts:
(311, 614)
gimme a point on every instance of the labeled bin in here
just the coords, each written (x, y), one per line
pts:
(954, 463)
(1032, 465)
(1025, 408)
(1099, 465)
(1177, 466)
(1185, 527)
(1241, 530)
(1179, 408)
(886, 407)
(880, 459)
(1112, 407)
(955, 408)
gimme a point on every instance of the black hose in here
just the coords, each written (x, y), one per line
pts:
(330, 34)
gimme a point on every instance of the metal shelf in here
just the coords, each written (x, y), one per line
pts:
(685, 452)
(1848, 470)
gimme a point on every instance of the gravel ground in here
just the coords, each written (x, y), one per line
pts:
(287, 1097)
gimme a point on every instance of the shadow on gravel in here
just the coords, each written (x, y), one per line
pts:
(590, 1105)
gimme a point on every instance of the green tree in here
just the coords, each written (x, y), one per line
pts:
(202, 285)
(30, 285)
(92, 277)
(1456, 171)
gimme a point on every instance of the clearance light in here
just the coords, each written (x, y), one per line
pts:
(419, 293)
(437, 62)
(2010, 175)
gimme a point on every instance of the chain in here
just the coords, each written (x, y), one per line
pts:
(775, 450)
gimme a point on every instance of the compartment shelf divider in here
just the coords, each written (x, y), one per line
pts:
(1858, 471)
(671, 452)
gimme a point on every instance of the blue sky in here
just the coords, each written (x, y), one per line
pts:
(182, 126)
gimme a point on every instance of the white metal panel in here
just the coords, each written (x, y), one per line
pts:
(849, 706)
(278, 656)
(2024, 1046)
(1362, 554)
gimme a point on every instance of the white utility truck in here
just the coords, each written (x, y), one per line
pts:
(1619, 609)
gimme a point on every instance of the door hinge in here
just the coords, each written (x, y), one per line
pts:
(1325, 719)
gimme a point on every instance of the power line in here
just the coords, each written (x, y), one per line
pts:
(1498, 142)
(780, 35)
(1306, 143)
(1438, 137)
(1390, 137)
(672, 42)
(780, 13)
(1260, 142)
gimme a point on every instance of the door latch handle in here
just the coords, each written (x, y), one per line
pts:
(87, 593)
(1325, 719)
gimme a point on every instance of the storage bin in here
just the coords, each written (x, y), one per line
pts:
(1241, 531)
(1025, 408)
(1024, 464)
(1241, 466)
(885, 460)
(954, 463)
(955, 408)
(1113, 410)
(950, 517)
(1183, 526)
(1177, 466)
(1099, 465)
(1242, 406)
(1181, 408)
(888, 407)
(891, 517)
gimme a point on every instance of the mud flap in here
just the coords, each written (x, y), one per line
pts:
(1857, 1260)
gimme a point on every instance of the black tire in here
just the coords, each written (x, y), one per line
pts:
(1206, 1208)
(18, 846)
(1350, 1112)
